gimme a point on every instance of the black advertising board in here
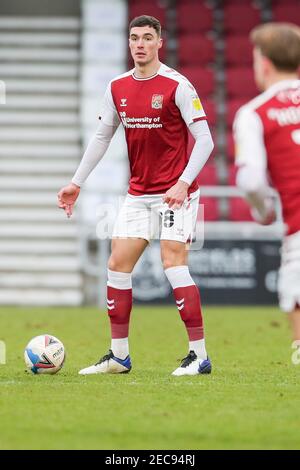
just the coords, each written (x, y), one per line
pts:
(227, 272)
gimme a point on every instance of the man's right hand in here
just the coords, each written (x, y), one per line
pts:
(67, 197)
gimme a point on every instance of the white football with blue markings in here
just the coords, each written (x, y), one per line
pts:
(44, 354)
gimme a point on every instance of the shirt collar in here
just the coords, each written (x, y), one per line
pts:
(146, 78)
(283, 85)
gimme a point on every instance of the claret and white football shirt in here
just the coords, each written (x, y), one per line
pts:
(155, 113)
(267, 137)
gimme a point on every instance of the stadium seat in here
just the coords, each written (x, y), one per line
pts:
(238, 50)
(232, 171)
(238, 210)
(226, 3)
(147, 7)
(240, 82)
(229, 149)
(203, 79)
(193, 16)
(210, 209)
(209, 106)
(289, 13)
(286, 3)
(193, 49)
(208, 175)
(232, 106)
(240, 18)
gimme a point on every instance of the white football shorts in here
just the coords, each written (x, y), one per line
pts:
(149, 218)
(289, 273)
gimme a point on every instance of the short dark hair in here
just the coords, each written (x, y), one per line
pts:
(280, 42)
(146, 20)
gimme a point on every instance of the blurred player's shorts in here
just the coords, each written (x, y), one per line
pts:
(150, 218)
(289, 273)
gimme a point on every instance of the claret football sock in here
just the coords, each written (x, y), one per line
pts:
(188, 302)
(119, 304)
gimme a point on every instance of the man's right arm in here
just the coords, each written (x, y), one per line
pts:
(94, 152)
(109, 122)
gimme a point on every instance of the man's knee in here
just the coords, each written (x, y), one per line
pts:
(173, 255)
(112, 263)
(120, 263)
(115, 263)
(168, 262)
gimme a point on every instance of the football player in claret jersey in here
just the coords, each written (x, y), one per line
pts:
(267, 136)
(157, 107)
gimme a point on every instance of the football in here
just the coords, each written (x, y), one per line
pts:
(44, 354)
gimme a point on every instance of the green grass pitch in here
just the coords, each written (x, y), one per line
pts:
(251, 400)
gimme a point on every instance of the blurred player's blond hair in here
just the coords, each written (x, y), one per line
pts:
(279, 42)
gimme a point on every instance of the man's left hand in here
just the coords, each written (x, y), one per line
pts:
(176, 195)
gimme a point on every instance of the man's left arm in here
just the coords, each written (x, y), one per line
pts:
(193, 114)
(202, 149)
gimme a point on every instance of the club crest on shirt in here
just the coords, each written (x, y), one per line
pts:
(157, 101)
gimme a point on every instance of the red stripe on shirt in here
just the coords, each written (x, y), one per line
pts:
(200, 119)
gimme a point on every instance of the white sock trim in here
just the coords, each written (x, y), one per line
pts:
(119, 280)
(199, 348)
(120, 347)
(179, 276)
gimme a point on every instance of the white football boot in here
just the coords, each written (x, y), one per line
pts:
(192, 365)
(108, 364)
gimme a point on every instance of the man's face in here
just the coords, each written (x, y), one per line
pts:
(144, 44)
(259, 67)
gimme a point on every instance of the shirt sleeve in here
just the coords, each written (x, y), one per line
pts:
(248, 135)
(251, 159)
(189, 103)
(201, 151)
(108, 112)
(94, 152)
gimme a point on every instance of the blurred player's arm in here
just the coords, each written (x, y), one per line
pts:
(195, 118)
(109, 122)
(251, 159)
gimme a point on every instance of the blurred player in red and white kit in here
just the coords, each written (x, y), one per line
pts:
(267, 137)
(157, 107)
